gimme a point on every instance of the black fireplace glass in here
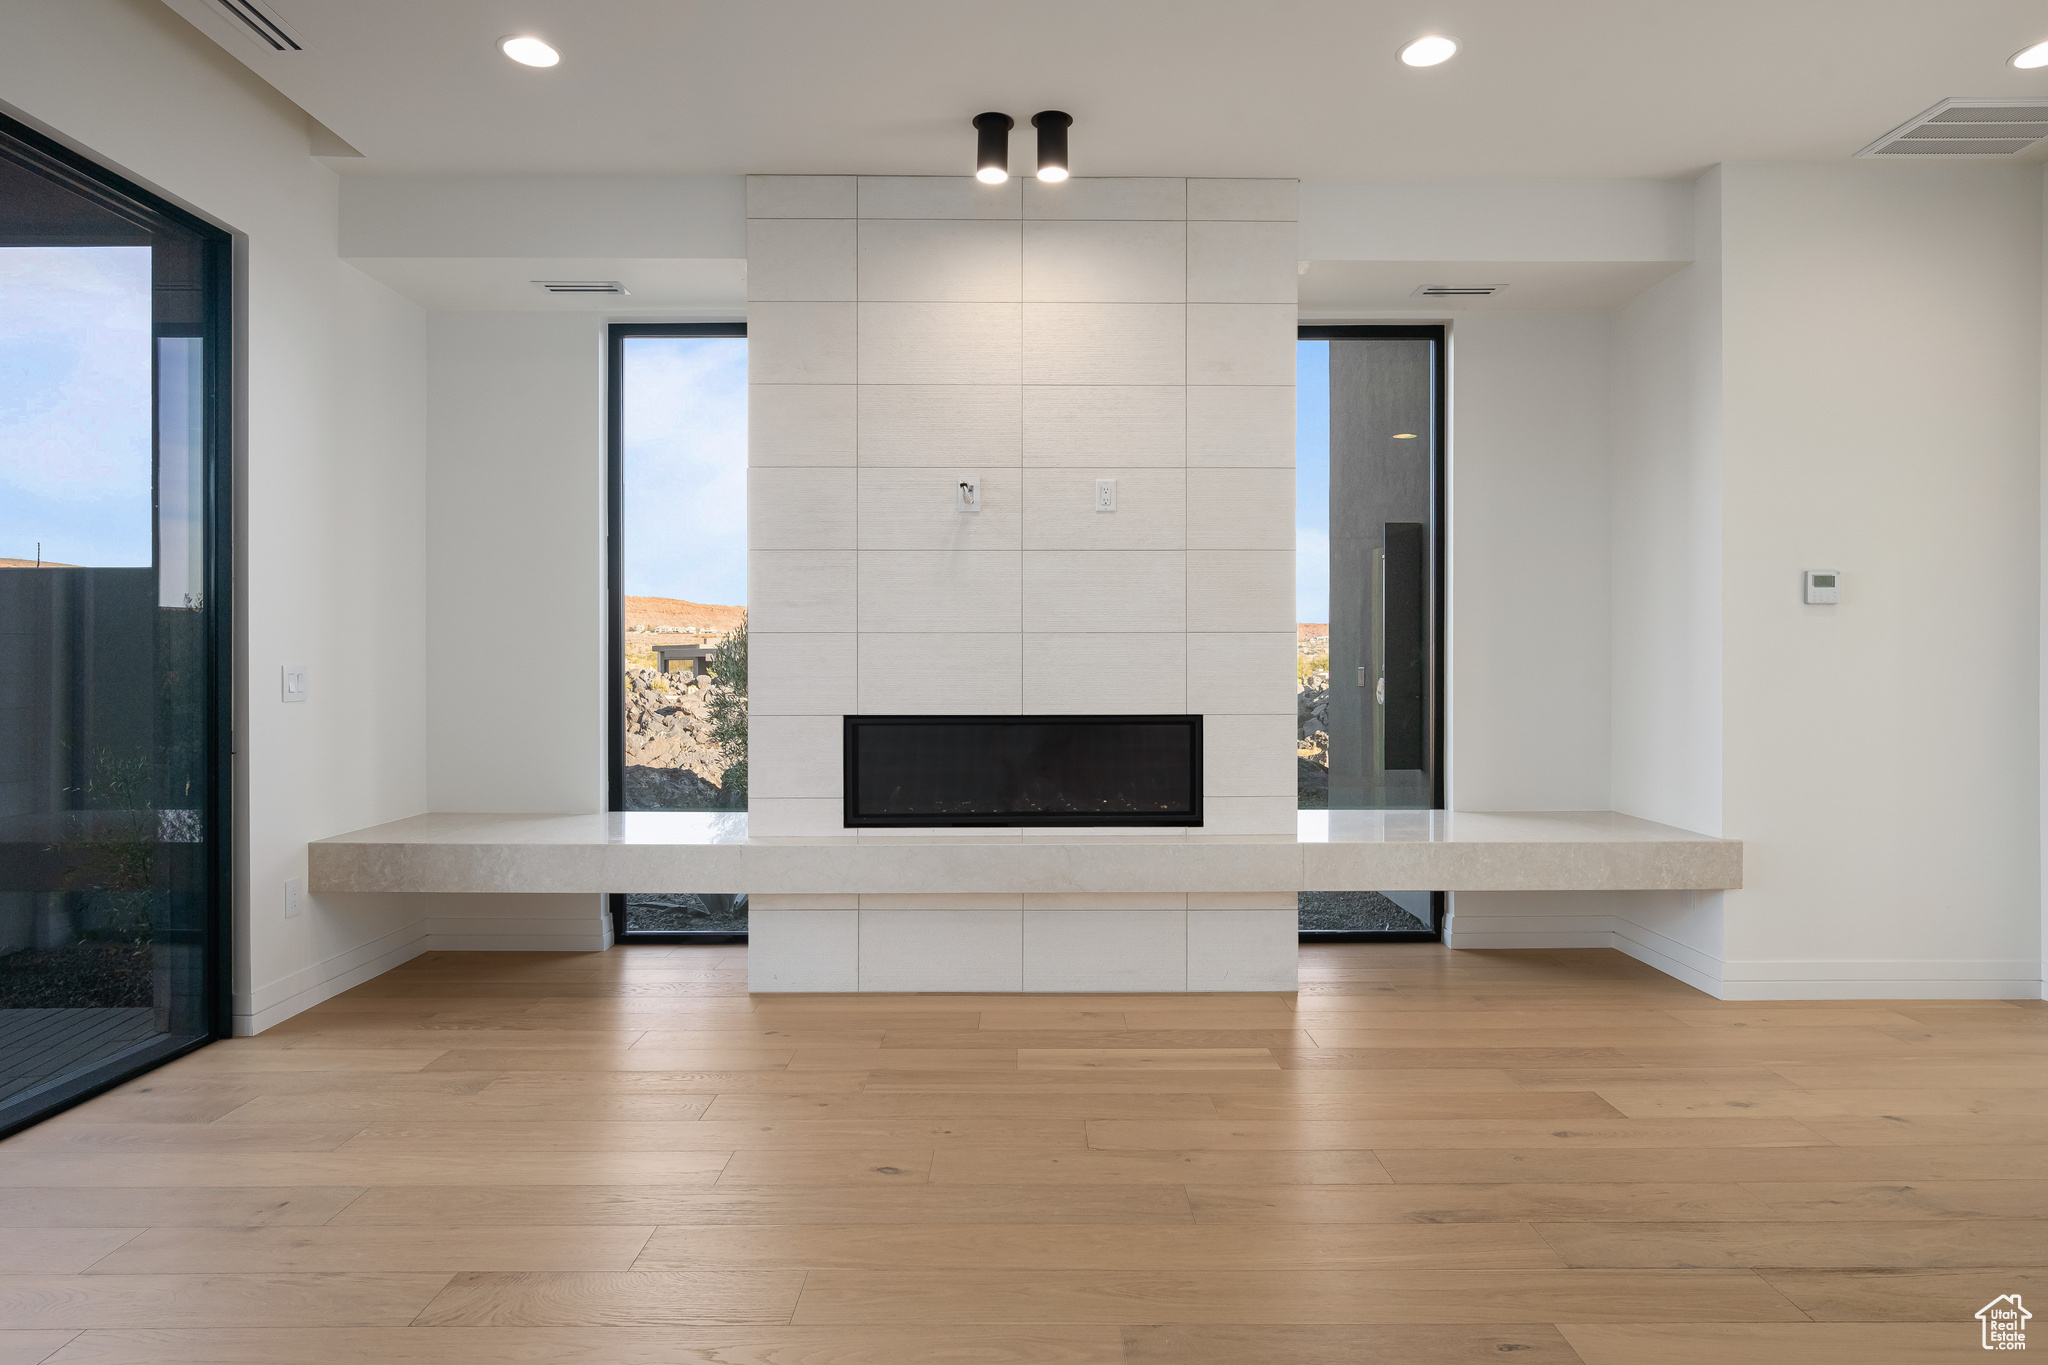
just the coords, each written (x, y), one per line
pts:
(1023, 770)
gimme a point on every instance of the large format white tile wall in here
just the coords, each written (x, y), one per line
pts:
(908, 332)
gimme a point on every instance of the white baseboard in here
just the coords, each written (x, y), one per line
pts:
(583, 930)
(1529, 938)
(1871, 979)
(1695, 968)
(269, 1005)
(272, 1004)
(1645, 946)
(483, 939)
(1885, 979)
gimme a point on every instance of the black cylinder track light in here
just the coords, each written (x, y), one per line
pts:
(992, 152)
(1052, 128)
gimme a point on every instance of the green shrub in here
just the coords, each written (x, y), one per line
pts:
(728, 711)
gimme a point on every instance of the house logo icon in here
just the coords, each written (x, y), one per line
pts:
(2005, 1323)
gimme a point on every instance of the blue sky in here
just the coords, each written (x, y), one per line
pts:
(75, 404)
(685, 447)
(1312, 481)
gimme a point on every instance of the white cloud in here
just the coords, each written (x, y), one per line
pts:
(685, 445)
(75, 420)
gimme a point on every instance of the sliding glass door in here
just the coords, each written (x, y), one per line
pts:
(1369, 588)
(113, 629)
(678, 547)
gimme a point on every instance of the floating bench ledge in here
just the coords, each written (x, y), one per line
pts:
(1330, 851)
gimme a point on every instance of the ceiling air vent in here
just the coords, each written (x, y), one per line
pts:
(1962, 127)
(262, 24)
(1457, 291)
(582, 286)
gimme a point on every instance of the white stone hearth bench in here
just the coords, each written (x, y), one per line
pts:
(1003, 909)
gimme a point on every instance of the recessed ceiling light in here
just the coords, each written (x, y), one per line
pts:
(2029, 58)
(528, 51)
(1430, 51)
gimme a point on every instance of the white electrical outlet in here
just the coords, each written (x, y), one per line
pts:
(294, 896)
(1105, 495)
(293, 682)
(969, 494)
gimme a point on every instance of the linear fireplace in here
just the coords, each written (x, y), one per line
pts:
(1023, 770)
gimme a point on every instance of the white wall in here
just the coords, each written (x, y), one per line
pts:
(515, 631)
(331, 479)
(1528, 564)
(1848, 377)
(1881, 407)
(515, 560)
(1665, 540)
(1496, 220)
(668, 216)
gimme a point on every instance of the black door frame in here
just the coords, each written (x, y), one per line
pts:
(80, 174)
(1439, 548)
(615, 582)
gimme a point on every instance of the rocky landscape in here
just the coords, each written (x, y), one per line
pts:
(675, 616)
(672, 762)
(1312, 714)
(673, 757)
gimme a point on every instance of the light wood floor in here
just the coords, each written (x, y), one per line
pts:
(1425, 1157)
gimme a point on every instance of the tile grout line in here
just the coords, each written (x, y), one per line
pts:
(859, 561)
(1187, 653)
(1019, 453)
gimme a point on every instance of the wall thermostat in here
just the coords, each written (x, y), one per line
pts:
(1823, 587)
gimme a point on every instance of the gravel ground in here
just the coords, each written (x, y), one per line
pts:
(685, 913)
(1345, 911)
(1311, 784)
(672, 789)
(1354, 912)
(83, 975)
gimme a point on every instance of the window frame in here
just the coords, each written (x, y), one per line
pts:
(80, 174)
(616, 336)
(1436, 724)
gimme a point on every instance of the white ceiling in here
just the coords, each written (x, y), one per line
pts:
(1557, 89)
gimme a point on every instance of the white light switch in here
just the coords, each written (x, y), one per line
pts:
(1105, 495)
(294, 682)
(969, 494)
(294, 896)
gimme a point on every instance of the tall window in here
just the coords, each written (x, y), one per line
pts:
(679, 592)
(113, 629)
(1369, 594)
